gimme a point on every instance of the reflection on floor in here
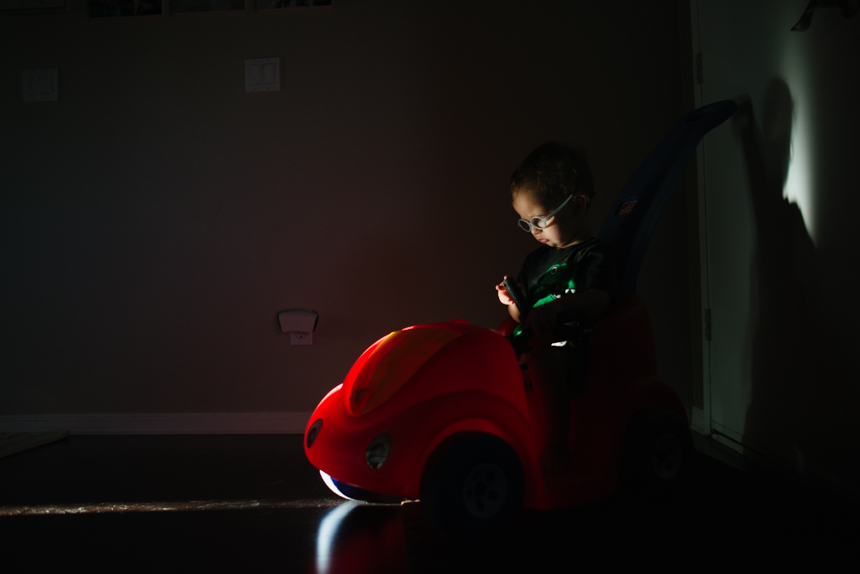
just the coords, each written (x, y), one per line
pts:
(253, 504)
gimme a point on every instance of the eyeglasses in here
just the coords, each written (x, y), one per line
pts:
(541, 222)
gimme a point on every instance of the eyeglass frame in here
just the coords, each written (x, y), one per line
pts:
(546, 219)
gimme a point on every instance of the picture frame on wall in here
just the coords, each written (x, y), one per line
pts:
(279, 4)
(28, 6)
(124, 8)
(129, 8)
(198, 6)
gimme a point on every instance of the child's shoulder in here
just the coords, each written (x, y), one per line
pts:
(591, 246)
(594, 251)
(546, 254)
(587, 248)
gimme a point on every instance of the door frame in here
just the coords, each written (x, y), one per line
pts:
(701, 417)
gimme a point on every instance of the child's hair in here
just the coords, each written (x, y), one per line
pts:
(552, 172)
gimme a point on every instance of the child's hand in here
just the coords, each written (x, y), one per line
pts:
(504, 297)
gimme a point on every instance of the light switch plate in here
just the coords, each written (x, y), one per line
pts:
(263, 75)
(40, 85)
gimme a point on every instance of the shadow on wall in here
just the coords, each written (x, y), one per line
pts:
(798, 360)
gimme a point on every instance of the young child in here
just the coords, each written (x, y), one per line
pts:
(572, 274)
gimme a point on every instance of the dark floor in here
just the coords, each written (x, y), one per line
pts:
(252, 503)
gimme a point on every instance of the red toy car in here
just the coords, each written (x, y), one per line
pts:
(440, 411)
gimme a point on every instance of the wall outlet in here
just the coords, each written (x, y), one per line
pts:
(301, 338)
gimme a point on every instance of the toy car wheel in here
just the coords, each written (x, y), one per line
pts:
(657, 452)
(472, 485)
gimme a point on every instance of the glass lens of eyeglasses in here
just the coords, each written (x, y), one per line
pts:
(540, 223)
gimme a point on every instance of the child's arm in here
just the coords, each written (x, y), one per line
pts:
(588, 305)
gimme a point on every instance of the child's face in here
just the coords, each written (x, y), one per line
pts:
(563, 228)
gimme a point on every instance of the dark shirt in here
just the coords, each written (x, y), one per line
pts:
(549, 273)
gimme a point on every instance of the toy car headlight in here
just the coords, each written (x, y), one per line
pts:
(377, 451)
(313, 432)
(386, 366)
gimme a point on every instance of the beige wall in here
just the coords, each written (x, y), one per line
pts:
(156, 217)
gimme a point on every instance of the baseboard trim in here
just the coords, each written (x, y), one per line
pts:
(753, 451)
(796, 470)
(699, 422)
(160, 423)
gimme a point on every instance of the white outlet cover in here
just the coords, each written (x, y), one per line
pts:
(300, 338)
(263, 75)
(40, 85)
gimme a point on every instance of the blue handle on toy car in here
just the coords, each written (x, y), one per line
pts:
(633, 216)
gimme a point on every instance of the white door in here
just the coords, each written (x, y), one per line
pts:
(780, 230)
